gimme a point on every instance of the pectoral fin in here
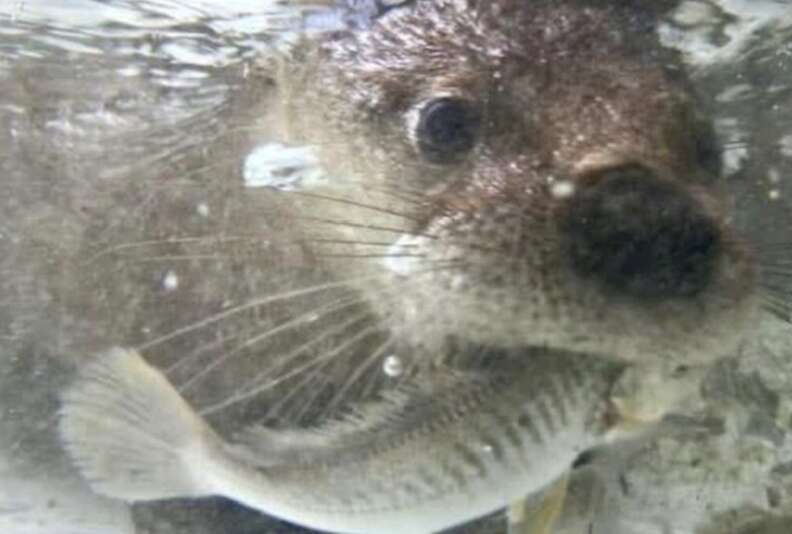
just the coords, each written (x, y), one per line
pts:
(538, 514)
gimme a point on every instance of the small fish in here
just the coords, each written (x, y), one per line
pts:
(430, 455)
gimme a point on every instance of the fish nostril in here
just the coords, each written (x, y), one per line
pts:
(641, 236)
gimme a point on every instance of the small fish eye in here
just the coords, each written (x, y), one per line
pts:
(445, 129)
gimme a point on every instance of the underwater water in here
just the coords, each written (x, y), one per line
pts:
(128, 214)
(109, 104)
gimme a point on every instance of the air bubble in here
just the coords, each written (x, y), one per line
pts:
(393, 366)
(170, 281)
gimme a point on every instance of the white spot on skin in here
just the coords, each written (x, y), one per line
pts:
(393, 366)
(170, 282)
(282, 167)
(202, 209)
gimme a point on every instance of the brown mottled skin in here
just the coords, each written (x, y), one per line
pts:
(631, 258)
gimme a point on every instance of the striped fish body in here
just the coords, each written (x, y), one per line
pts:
(438, 454)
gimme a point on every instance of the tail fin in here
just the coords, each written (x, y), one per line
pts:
(130, 433)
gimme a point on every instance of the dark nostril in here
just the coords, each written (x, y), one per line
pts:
(641, 236)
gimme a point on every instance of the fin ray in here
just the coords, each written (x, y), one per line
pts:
(129, 432)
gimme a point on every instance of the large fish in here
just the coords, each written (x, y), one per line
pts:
(436, 452)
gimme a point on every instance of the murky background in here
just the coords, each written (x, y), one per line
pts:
(120, 123)
(124, 126)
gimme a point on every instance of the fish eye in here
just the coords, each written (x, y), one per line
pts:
(445, 128)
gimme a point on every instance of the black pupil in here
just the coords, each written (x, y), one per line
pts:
(446, 129)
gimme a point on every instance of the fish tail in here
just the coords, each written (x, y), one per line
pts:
(131, 434)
